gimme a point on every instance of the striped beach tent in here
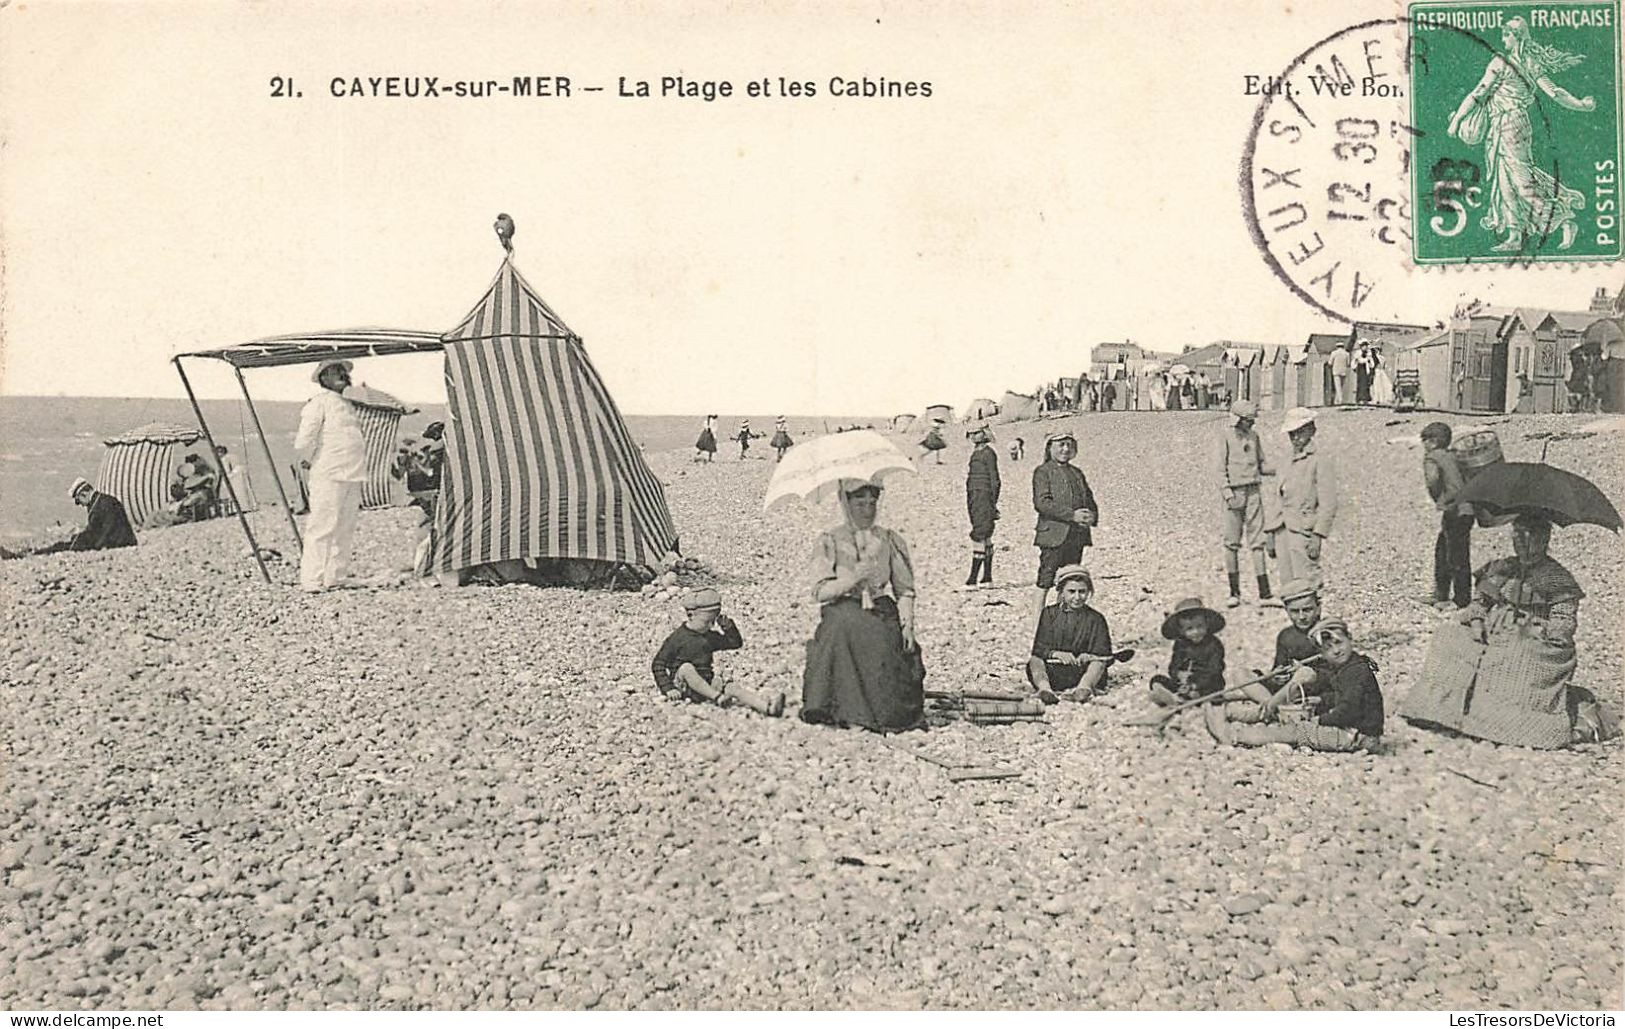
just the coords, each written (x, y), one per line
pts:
(539, 463)
(137, 466)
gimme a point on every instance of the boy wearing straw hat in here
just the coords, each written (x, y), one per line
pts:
(683, 667)
(1241, 465)
(1196, 666)
(1346, 689)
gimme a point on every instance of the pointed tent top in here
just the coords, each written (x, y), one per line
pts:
(510, 308)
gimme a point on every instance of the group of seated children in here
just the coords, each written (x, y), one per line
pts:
(1320, 692)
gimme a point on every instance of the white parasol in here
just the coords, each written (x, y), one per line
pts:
(813, 470)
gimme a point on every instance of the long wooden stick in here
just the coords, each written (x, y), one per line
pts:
(1162, 718)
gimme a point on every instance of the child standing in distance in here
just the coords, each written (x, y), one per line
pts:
(1069, 634)
(1453, 547)
(982, 503)
(683, 667)
(1350, 701)
(781, 440)
(1196, 667)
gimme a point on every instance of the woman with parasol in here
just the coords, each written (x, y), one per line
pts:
(1502, 672)
(863, 664)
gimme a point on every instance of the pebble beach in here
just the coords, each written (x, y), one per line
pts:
(223, 794)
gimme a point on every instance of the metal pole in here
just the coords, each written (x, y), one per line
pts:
(242, 519)
(276, 476)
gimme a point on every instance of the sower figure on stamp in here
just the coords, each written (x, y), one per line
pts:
(1242, 466)
(1524, 199)
(1308, 490)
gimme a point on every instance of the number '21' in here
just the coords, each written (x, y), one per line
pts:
(283, 87)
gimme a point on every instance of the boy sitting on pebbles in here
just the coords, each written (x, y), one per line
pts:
(683, 669)
(1293, 643)
(1346, 688)
(1196, 667)
(1069, 634)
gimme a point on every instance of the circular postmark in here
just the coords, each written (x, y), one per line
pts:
(1340, 170)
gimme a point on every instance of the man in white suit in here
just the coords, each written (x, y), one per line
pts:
(334, 454)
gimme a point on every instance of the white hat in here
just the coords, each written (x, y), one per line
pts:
(78, 484)
(1297, 418)
(331, 362)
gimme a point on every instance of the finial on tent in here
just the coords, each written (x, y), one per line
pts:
(504, 227)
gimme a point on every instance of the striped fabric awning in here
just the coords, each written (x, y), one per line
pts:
(380, 427)
(307, 347)
(157, 432)
(538, 462)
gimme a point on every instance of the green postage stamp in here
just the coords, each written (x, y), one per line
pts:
(1515, 108)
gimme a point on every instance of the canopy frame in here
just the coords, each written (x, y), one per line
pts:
(280, 351)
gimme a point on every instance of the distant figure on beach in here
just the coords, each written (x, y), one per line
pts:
(106, 524)
(744, 436)
(863, 664)
(982, 503)
(1340, 374)
(1066, 511)
(933, 443)
(781, 438)
(1241, 465)
(1365, 368)
(240, 486)
(705, 448)
(683, 667)
(1018, 448)
(334, 456)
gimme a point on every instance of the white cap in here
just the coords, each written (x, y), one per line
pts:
(78, 484)
(1297, 418)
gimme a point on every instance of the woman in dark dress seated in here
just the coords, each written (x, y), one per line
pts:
(863, 664)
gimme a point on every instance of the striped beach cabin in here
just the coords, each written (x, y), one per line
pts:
(539, 463)
(137, 466)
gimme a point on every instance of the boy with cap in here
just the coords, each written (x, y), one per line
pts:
(1196, 667)
(1350, 701)
(1308, 490)
(1066, 510)
(1241, 464)
(1070, 632)
(682, 666)
(1293, 643)
(1452, 548)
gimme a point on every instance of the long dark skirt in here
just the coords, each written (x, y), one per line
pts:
(858, 672)
(707, 441)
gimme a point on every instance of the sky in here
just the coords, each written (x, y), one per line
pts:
(1071, 180)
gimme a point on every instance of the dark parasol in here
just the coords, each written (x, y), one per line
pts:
(1563, 498)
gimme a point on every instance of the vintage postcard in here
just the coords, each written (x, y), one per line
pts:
(512, 505)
